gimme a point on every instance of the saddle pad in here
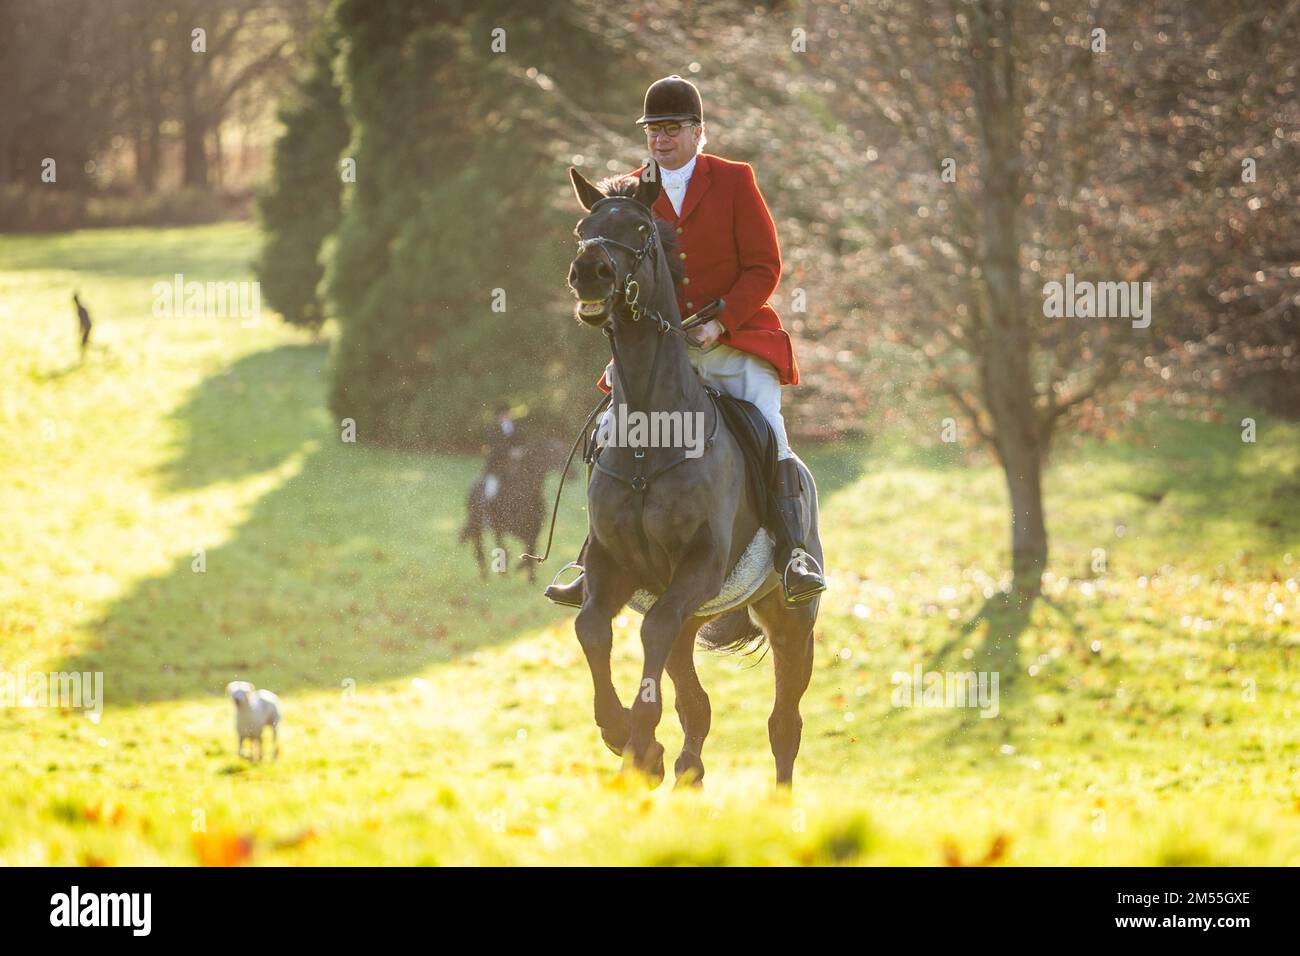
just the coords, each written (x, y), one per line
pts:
(751, 578)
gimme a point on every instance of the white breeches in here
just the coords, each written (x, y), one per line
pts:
(742, 376)
(746, 377)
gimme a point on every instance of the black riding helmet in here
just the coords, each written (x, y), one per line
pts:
(672, 98)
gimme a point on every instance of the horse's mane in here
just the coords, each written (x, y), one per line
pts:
(627, 186)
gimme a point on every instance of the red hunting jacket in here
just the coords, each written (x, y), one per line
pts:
(729, 240)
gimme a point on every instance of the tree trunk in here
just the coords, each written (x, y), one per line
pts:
(1008, 386)
(196, 157)
(218, 157)
(1022, 467)
(194, 127)
(146, 158)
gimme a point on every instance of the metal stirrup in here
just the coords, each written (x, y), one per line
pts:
(571, 564)
(802, 558)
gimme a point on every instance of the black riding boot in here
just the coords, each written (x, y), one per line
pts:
(801, 577)
(570, 595)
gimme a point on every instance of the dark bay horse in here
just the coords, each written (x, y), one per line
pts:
(659, 520)
(517, 508)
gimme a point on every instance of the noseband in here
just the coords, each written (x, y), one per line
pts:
(631, 290)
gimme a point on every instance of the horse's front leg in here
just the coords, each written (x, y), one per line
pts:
(479, 556)
(607, 590)
(692, 706)
(698, 578)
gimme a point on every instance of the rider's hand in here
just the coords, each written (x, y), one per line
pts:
(707, 334)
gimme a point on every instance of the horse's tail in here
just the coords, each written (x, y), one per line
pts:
(733, 631)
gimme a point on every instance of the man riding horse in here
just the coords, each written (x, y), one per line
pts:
(728, 245)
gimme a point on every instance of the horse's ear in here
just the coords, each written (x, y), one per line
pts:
(648, 186)
(587, 193)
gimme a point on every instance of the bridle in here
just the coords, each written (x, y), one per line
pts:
(630, 292)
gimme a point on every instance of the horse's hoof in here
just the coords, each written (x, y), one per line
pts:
(615, 738)
(651, 769)
(615, 749)
(657, 771)
(689, 772)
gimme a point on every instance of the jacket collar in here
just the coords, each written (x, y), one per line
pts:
(698, 186)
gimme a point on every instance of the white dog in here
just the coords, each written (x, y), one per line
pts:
(255, 710)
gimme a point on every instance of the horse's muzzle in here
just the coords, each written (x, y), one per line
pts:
(593, 312)
(591, 277)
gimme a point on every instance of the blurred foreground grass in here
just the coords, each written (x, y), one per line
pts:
(1147, 711)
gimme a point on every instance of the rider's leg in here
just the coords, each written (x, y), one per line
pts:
(755, 380)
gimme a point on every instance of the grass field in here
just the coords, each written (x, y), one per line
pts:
(1147, 714)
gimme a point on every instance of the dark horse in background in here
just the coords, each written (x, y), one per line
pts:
(672, 525)
(516, 508)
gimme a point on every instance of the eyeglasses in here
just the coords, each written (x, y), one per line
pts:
(672, 129)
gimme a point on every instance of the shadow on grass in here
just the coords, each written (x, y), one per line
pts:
(205, 253)
(96, 358)
(1005, 616)
(250, 417)
(1178, 469)
(348, 569)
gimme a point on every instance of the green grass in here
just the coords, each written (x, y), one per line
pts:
(1147, 711)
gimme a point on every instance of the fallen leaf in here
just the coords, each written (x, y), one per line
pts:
(304, 836)
(224, 848)
(997, 849)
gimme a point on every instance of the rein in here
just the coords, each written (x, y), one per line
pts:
(564, 473)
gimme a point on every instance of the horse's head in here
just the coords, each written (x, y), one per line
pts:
(618, 247)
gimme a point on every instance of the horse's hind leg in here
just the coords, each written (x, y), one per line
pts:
(500, 555)
(790, 634)
(692, 706)
(478, 554)
(527, 564)
(607, 590)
